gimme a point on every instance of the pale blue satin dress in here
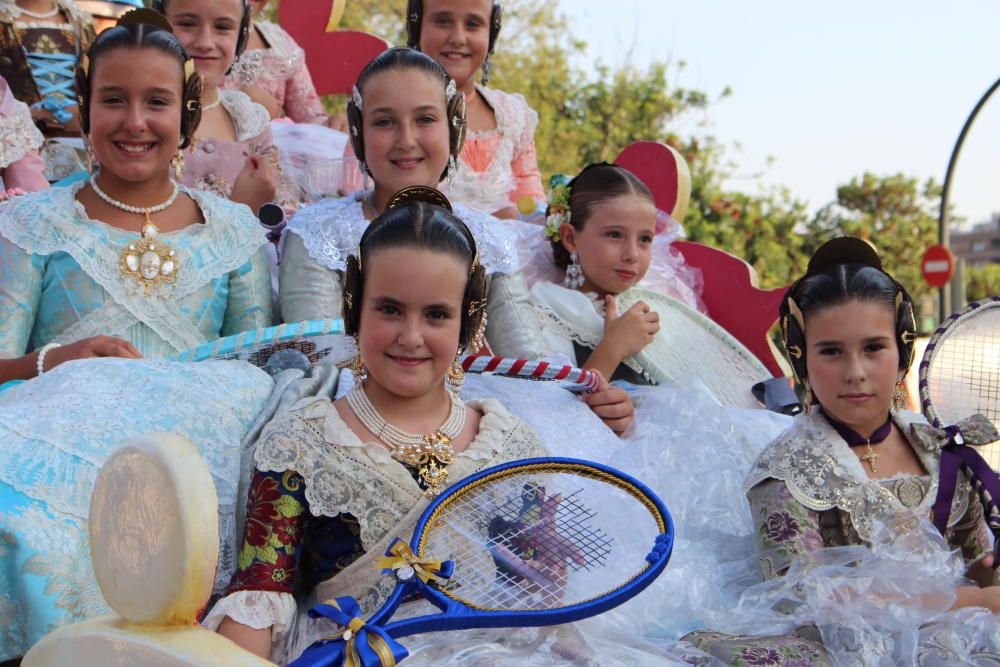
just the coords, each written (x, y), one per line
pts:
(60, 281)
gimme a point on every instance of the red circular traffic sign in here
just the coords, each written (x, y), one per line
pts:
(937, 266)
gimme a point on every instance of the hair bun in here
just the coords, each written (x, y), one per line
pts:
(147, 17)
(418, 193)
(844, 250)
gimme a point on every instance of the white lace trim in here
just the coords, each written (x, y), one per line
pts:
(331, 230)
(345, 475)
(256, 609)
(280, 60)
(822, 472)
(11, 12)
(490, 189)
(17, 130)
(52, 221)
(249, 118)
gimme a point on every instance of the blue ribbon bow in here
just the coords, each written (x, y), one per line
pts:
(358, 645)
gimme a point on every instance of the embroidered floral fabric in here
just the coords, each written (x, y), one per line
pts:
(279, 70)
(60, 278)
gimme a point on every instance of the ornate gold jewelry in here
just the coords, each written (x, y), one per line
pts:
(358, 369)
(456, 374)
(189, 69)
(870, 457)
(177, 162)
(899, 397)
(807, 399)
(148, 261)
(430, 454)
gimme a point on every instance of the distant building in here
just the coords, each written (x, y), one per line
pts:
(980, 245)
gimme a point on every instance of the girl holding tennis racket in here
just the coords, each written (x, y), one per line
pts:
(342, 477)
(858, 473)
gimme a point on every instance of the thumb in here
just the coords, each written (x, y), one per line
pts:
(610, 308)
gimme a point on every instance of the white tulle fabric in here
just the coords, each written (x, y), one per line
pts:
(691, 452)
(331, 230)
(17, 128)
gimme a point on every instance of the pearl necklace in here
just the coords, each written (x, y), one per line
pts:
(147, 261)
(217, 102)
(430, 454)
(135, 209)
(39, 15)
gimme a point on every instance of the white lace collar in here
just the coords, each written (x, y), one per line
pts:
(822, 472)
(52, 221)
(249, 118)
(344, 474)
(331, 230)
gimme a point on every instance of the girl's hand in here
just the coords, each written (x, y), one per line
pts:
(631, 332)
(973, 596)
(612, 405)
(256, 185)
(89, 348)
(981, 571)
(337, 121)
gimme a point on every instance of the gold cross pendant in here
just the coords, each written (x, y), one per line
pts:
(870, 457)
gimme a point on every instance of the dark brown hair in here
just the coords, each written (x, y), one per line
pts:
(418, 224)
(596, 184)
(137, 36)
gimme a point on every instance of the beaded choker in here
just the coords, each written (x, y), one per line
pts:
(854, 439)
(431, 454)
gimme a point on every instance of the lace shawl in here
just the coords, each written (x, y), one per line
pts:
(53, 221)
(344, 474)
(331, 230)
(724, 365)
(490, 190)
(279, 61)
(822, 472)
(249, 118)
(18, 133)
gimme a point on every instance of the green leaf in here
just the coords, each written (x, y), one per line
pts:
(288, 506)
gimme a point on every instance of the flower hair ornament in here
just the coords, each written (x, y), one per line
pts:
(558, 212)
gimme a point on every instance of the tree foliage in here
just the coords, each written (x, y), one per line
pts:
(896, 213)
(982, 281)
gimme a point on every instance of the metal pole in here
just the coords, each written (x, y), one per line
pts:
(944, 309)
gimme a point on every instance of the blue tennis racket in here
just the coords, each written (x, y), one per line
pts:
(535, 542)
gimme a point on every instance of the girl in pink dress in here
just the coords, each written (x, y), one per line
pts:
(234, 154)
(20, 164)
(498, 167)
(275, 65)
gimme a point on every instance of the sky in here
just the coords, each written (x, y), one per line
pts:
(823, 92)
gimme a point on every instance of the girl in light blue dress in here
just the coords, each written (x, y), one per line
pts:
(127, 265)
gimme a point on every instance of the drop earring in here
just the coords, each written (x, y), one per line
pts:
(486, 70)
(456, 374)
(574, 272)
(899, 396)
(177, 162)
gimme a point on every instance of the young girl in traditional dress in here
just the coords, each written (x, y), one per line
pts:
(234, 154)
(860, 474)
(275, 65)
(41, 42)
(342, 471)
(129, 254)
(497, 166)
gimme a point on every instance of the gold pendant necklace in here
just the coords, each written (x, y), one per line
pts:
(147, 261)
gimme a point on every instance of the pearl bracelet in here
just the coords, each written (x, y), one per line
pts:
(40, 362)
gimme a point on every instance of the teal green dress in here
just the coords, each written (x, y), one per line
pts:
(61, 281)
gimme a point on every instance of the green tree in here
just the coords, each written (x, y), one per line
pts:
(982, 282)
(896, 213)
